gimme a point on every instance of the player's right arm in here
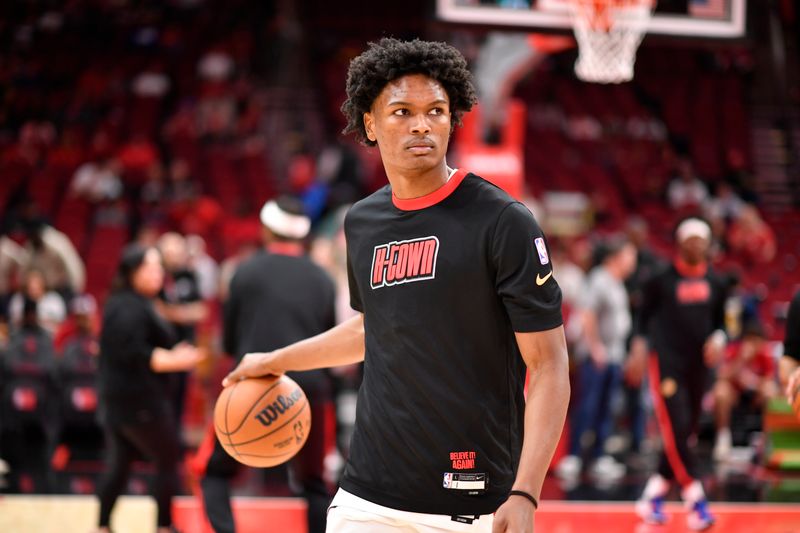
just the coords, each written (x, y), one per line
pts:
(341, 345)
(636, 364)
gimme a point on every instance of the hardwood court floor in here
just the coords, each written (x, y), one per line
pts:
(136, 514)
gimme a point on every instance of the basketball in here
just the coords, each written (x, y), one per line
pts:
(262, 422)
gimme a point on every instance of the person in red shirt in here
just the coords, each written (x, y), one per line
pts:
(751, 238)
(748, 370)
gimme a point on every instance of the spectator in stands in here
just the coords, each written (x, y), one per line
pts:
(606, 321)
(746, 374)
(686, 191)
(97, 181)
(751, 238)
(571, 258)
(52, 253)
(181, 303)
(190, 211)
(182, 188)
(51, 310)
(725, 203)
(13, 260)
(136, 347)
(81, 322)
(719, 233)
(204, 266)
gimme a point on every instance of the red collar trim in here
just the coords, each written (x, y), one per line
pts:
(294, 249)
(690, 271)
(432, 198)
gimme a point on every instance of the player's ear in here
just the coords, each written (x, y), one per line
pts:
(369, 127)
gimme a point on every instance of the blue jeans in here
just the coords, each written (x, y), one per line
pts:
(596, 389)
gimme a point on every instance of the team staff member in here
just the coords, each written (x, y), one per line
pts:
(136, 346)
(681, 321)
(453, 281)
(790, 362)
(277, 297)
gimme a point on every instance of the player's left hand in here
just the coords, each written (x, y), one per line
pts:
(253, 365)
(514, 516)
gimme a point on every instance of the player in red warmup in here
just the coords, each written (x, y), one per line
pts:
(681, 321)
(453, 282)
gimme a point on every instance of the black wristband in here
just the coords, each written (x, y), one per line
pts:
(525, 495)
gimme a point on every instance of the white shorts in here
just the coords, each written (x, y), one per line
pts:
(350, 514)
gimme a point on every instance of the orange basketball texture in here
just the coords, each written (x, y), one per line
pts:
(262, 422)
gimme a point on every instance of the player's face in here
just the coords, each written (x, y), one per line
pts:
(410, 121)
(694, 250)
(149, 277)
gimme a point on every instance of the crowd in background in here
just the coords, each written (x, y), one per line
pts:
(179, 143)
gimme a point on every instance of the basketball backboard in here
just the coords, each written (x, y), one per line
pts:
(718, 19)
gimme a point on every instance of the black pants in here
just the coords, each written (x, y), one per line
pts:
(157, 441)
(677, 397)
(307, 468)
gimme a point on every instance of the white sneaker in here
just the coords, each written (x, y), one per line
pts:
(723, 445)
(651, 511)
(569, 467)
(606, 467)
(698, 517)
(650, 507)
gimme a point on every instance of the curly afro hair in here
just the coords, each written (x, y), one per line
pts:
(389, 59)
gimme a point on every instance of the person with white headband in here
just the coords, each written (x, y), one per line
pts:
(277, 297)
(681, 326)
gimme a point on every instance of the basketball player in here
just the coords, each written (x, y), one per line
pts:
(453, 282)
(278, 297)
(681, 321)
(790, 362)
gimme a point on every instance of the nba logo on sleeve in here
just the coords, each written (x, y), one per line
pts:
(542, 249)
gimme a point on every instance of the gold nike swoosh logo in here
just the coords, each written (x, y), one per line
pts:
(541, 280)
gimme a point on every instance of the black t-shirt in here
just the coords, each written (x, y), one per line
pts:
(130, 391)
(444, 281)
(680, 310)
(791, 345)
(276, 300)
(182, 287)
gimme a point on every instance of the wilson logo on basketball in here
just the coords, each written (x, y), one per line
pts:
(404, 261)
(271, 412)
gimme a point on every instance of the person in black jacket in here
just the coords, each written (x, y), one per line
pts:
(277, 297)
(136, 347)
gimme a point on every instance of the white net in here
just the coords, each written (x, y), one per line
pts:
(608, 33)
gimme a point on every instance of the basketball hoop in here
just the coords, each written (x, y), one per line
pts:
(608, 33)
